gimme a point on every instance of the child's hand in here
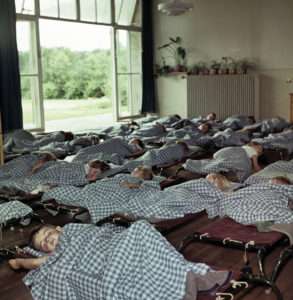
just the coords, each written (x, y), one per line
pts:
(14, 264)
(130, 185)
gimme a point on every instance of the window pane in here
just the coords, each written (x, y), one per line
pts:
(26, 44)
(123, 62)
(104, 11)
(26, 47)
(128, 51)
(67, 9)
(25, 7)
(135, 52)
(77, 75)
(136, 103)
(88, 10)
(124, 95)
(49, 8)
(128, 12)
(29, 85)
(129, 95)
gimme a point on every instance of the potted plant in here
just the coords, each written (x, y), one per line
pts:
(224, 65)
(214, 67)
(202, 68)
(244, 65)
(176, 52)
(232, 66)
(195, 69)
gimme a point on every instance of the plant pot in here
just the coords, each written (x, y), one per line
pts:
(213, 71)
(222, 71)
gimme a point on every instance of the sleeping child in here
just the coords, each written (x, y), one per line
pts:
(89, 262)
(242, 161)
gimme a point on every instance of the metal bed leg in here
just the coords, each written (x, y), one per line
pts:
(284, 256)
(187, 241)
(261, 253)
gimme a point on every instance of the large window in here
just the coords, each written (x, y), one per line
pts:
(29, 74)
(80, 62)
(129, 72)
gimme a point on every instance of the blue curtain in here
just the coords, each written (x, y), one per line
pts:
(148, 86)
(10, 94)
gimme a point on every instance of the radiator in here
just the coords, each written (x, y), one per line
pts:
(225, 95)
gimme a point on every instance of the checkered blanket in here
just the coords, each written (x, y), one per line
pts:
(259, 202)
(112, 146)
(236, 122)
(177, 201)
(62, 173)
(148, 131)
(278, 168)
(180, 133)
(229, 137)
(59, 148)
(104, 197)
(13, 210)
(283, 140)
(53, 173)
(156, 157)
(107, 197)
(95, 263)
(273, 125)
(227, 159)
(18, 167)
(21, 140)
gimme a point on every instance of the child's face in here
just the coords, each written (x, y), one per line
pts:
(203, 128)
(46, 239)
(93, 174)
(211, 117)
(141, 173)
(217, 180)
(258, 149)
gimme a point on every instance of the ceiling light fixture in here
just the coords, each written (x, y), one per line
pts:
(175, 7)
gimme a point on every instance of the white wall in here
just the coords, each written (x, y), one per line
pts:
(260, 30)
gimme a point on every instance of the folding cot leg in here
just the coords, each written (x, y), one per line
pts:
(256, 279)
(186, 241)
(284, 256)
(261, 253)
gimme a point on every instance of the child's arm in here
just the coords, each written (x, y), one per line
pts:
(255, 166)
(27, 263)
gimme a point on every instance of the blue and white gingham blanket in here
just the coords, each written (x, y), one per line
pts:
(13, 210)
(259, 202)
(227, 159)
(190, 197)
(97, 263)
(105, 197)
(279, 168)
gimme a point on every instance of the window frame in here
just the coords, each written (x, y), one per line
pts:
(40, 118)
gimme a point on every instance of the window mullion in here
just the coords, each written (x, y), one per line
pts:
(78, 10)
(58, 9)
(37, 8)
(40, 99)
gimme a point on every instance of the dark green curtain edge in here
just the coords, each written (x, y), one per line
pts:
(148, 85)
(10, 92)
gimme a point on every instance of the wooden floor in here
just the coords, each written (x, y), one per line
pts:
(12, 288)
